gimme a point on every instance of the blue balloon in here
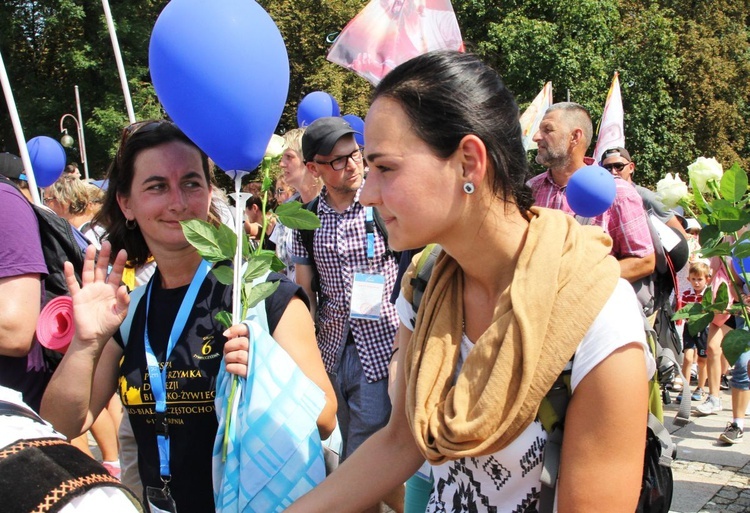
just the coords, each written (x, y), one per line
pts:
(357, 124)
(740, 263)
(48, 159)
(591, 191)
(221, 71)
(317, 104)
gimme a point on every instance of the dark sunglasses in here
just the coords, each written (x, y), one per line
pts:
(617, 166)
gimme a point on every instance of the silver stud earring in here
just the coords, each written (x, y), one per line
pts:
(469, 188)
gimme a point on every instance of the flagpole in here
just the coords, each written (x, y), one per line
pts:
(20, 139)
(118, 59)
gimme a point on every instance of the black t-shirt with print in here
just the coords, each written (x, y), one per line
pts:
(191, 383)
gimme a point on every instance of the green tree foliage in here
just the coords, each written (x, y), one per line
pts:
(307, 26)
(684, 66)
(714, 92)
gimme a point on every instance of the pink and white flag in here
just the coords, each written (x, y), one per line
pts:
(612, 126)
(533, 115)
(387, 33)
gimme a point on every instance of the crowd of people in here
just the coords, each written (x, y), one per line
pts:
(443, 393)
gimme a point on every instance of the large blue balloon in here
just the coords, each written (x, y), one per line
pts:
(221, 71)
(48, 159)
(591, 191)
(357, 124)
(317, 104)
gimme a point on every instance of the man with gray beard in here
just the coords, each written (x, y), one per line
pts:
(563, 139)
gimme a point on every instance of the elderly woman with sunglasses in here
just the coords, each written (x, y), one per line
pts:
(159, 178)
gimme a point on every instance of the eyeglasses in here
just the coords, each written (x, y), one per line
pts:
(617, 166)
(339, 163)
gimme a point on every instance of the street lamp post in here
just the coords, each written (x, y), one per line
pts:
(67, 141)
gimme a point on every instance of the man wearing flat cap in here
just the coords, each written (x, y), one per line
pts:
(356, 273)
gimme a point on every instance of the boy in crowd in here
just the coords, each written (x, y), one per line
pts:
(694, 346)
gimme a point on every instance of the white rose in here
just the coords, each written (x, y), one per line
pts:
(703, 170)
(276, 147)
(671, 190)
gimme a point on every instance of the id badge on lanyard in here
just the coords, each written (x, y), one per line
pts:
(367, 296)
(368, 286)
(160, 500)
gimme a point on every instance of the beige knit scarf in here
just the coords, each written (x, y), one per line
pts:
(563, 278)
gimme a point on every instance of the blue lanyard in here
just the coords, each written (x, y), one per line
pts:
(370, 227)
(158, 377)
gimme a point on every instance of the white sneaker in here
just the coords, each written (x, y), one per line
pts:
(711, 406)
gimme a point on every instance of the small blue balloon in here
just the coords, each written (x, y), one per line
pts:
(358, 124)
(48, 159)
(317, 104)
(740, 263)
(221, 72)
(590, 191)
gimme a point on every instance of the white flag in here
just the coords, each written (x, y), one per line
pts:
(533, 115)
(387, 33)
(612, 125)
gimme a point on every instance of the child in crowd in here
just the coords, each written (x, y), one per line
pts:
(694, 346)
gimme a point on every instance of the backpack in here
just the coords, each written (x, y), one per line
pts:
(668, 348)
(60, 243)
(306, 238)
(657, 485)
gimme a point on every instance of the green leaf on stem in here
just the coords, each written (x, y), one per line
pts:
(733, 184)
(722, 249)
(257, 266)
(267, 183)
(741, 249)
(690, 309)
(224, 274)
(710, 236)
(721, 301)
(742, 238)
(699, 323)
(734, 344)
(260, 292)
(294, 216)
(212, 243)
(246, 247)
(274, 263)
(731, 219)
(225, 318)
(277, 265)
(700, 201)
(720, 204)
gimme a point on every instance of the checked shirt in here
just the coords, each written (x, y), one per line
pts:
(625, 221)
(341, 251)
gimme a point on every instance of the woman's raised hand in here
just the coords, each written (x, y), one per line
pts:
(100, 303)
(236, 350)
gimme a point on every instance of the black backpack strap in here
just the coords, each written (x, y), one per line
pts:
(425, 264)
(552, 416)
(306, 238)
(381, 227)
